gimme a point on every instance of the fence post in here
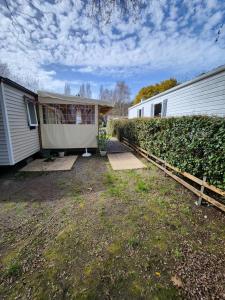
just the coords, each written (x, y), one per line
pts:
(165, 168)
(202, 190)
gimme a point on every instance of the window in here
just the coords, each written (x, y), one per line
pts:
(158, 110)
(68, 114)
(31, 113)
(140, 112)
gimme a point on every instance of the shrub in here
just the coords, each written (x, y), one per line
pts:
(103, 139)
(195, 144)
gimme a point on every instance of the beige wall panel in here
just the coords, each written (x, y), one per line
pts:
(65, 136)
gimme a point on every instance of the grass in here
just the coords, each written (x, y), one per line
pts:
(142, 186)
(122, 238)
(14, 269)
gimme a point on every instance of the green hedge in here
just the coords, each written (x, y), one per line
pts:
(194, 144)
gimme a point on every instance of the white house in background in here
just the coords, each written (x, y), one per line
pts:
(204, 95)
(19, 136)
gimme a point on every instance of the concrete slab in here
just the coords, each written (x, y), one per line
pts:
(59, 164)
(114, 146)
(125, 161)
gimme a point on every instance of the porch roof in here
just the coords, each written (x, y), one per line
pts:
(49, 97)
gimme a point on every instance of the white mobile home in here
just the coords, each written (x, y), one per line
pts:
(204, 95)
(69, 122)
(19, 136)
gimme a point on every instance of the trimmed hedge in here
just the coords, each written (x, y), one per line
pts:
(194, 144)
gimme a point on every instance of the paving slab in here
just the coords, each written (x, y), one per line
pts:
(124, 161)
(59, 164)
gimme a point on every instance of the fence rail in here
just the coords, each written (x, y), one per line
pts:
(166, 167)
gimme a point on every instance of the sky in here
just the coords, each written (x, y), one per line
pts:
(57, 42)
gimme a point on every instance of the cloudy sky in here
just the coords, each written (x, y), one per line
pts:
(56, 41)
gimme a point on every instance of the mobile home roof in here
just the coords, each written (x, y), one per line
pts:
(17, 86)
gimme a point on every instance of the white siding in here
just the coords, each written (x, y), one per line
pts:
(4, 158)
(25, 141)
(204, 97)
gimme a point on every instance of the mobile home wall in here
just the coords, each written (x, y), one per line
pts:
(202, 96)
(17, 140)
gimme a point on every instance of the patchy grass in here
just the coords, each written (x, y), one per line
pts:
(14, 269)
(106, 235)
(142, 186)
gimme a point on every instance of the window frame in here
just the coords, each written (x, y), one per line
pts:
(28, 101)
(164, 108)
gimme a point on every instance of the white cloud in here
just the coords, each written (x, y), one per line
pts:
(166, 36)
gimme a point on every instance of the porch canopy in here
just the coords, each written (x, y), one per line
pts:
(49, 97)
(68, 122)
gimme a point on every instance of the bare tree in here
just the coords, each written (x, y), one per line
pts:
(106, 94)
(4, 70)
(85, 90)
(102, 10)
(98, 10)
(82, 90)
(28, 81)
(119, 96)
(219, 32)
(67, 89)
(88, 90)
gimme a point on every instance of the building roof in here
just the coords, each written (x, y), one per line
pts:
(182, 85)
(17, 86)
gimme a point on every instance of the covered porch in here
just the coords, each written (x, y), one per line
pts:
(69, 122)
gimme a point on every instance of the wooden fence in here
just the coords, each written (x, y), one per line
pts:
(173, 171)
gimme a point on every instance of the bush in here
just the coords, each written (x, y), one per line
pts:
(194, 144)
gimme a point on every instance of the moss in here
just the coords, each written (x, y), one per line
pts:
(51, 255)
(9, 206)
(92, 268)
(78, 199)
(136, 289)
(82, 205)
(166, 294)
(10, 257)
(66, 232)
(114, 248)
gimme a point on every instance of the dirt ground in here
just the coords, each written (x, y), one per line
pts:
(94, 233)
